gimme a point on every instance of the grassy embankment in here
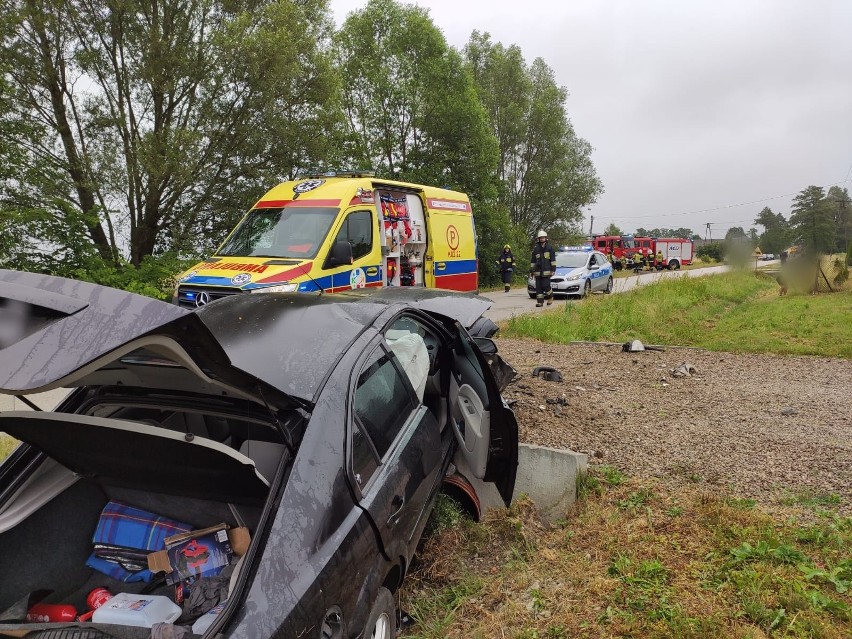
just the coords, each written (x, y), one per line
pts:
(636, 559)
(737, 312)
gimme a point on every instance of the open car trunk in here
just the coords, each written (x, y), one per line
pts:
(193, 457)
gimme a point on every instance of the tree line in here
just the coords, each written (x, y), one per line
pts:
(134, 134)
(820, 222)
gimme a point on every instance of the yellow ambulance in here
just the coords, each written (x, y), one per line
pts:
(341, 231)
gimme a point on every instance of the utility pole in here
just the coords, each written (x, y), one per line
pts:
(591, 224)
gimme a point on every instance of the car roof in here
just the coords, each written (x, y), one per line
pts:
(290, 341)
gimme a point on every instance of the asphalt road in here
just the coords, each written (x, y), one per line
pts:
(518, 302)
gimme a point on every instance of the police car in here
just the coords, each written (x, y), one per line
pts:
(579, 271)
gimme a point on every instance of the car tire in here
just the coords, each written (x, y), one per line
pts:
(609, 286)
(587, 288)
(381, 624)
(674, 265)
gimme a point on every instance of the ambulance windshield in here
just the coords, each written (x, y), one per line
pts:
(282, 232)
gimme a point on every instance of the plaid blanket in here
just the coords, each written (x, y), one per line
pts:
(123, 538)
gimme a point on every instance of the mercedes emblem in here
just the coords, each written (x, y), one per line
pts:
(202, 299)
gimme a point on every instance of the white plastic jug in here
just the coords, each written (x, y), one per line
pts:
(137, 610)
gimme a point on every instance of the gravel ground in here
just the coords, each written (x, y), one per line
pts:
(759, 426)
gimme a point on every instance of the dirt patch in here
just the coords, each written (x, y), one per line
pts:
(772, 428)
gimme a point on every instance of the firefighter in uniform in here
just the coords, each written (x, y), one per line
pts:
(542, 266)
(659, 259)
(507, 266)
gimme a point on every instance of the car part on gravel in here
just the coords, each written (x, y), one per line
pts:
(547, 372)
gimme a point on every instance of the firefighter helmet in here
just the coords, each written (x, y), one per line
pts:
(541, 234)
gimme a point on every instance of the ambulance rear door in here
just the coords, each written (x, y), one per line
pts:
(451, 256)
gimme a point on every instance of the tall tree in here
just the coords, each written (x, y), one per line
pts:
(161, 119)
(413, 112)
(812, 220)
(841, 204)
(612, 229)
(776, 231)
(546, 172)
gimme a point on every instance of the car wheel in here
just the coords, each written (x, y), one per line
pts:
(587, 288)
(674, 265)
(609, 286)
(381, 624)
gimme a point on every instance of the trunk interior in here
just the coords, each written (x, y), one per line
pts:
(198, 460)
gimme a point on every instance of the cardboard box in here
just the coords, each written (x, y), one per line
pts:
(199, 553)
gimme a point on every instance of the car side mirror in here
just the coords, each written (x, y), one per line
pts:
(486, 345)
(341, 253)
(594, 267)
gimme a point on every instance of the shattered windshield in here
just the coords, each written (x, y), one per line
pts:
(282, 232)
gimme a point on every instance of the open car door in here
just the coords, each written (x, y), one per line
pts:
(484, 426)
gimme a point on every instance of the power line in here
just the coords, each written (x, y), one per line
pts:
(717, 208)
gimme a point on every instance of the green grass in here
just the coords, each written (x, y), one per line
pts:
(7, 445)
(734, 312)
(676, 562)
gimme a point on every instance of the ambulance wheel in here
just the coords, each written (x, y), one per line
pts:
(381, 624)
(587, 288)
(609, 286)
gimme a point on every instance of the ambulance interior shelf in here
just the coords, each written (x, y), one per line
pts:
(403, 237)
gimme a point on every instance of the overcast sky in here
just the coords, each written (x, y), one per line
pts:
(693, 108)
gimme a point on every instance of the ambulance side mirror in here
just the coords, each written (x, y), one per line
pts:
(341, 253)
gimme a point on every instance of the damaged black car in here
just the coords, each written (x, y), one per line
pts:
(263, 466)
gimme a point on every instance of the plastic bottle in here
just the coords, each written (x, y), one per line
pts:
(206, 620)
(137, 610)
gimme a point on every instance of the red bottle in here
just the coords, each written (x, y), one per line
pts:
(96, 598)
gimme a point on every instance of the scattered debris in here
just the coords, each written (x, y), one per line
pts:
(561, 401)
(547, 372)
(634, 346)
(684, 370)
(788, 412)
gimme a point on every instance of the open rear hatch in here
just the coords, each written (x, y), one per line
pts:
(162, 422)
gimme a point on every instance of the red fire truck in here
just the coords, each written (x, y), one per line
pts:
(629, 250)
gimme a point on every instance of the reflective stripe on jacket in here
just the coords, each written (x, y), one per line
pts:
(507, 261)
(543, 261)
